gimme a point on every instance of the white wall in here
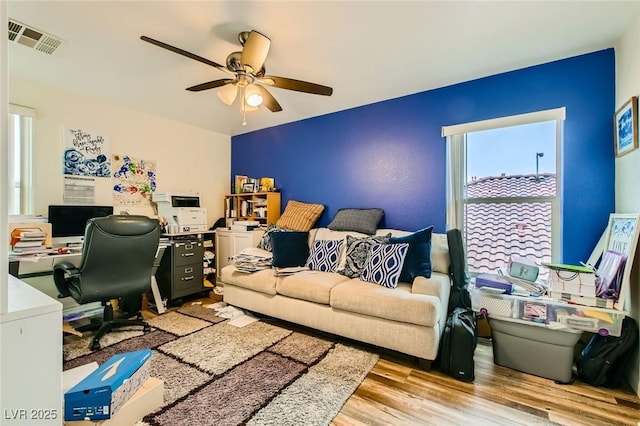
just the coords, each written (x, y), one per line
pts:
(628, 166)
(189, 160)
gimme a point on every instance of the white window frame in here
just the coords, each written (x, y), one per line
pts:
(25, 131)
(456, 137)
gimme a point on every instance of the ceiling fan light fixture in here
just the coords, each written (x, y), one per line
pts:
(228, 93)
(252, 96)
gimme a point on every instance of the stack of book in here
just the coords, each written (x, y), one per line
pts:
(28, 241)
(586, 286)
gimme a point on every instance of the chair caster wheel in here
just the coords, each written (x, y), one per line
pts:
(146, 329)
(94, 346)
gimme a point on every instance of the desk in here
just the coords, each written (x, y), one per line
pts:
(26, 267)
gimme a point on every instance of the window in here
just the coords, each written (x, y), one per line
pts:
(20, 194)
(503, 185)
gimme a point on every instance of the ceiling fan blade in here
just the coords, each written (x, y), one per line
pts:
(255, 51)
(183, 52)
(297, 85)
(268, 100)
(210, 85)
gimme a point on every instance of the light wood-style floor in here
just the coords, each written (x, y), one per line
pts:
(397, 392)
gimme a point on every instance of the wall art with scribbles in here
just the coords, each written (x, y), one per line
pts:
(86, 153)
(134, 181)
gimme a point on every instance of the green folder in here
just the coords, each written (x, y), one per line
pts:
(572, 268)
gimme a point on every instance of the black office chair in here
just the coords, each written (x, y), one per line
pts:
(117, 261)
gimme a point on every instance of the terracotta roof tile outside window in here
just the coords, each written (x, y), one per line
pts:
(495, 231)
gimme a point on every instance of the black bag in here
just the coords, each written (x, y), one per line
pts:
(458, 344)
(605, 359)
(459, 296)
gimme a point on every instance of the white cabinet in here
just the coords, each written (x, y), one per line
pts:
(30, 358)
(230, 243)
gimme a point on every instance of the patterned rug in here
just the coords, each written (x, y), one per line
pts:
(218, 374)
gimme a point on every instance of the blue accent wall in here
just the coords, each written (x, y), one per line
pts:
(391, 154)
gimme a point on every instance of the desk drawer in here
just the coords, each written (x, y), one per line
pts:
(186, 252)
(187, 279)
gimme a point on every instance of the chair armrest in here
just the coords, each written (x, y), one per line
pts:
(61, 274)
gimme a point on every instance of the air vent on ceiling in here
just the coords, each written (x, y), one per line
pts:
(33, 38)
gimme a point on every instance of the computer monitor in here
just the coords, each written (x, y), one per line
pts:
(69, 221)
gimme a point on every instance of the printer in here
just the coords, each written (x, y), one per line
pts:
(182, 212)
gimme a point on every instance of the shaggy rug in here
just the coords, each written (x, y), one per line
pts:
(218, 374)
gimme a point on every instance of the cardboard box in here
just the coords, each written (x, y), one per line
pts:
(101, 394)
(147, 399)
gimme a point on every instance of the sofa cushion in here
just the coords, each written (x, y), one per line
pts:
(385, 264)
(357, 253)
(300, 216)
(357, 220)
(261, 281)
(440, 260)
(313, 286)
(265, 240)
(290, 248)
(418, 260)
(324, 255)
(397, 304)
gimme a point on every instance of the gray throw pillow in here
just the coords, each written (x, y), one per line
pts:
(357, 220)
(357, 253)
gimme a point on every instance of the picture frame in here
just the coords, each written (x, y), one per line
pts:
(625, 123)
(622, 235)
(239, 183)
(248, 187)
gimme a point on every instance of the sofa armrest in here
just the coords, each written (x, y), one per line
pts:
(438, 285)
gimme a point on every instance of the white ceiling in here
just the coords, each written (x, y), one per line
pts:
(367, 51)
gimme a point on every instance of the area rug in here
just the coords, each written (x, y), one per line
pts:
(218, 374)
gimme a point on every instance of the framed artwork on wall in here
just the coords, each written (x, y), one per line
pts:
(625, 123)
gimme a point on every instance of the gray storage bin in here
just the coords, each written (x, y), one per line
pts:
(534, 348)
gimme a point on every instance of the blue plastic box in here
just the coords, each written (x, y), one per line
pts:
(103, 392)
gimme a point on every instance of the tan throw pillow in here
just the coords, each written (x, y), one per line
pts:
(300, 216)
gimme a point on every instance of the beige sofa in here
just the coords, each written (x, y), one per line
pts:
(407, 319)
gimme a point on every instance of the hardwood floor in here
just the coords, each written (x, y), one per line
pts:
(397, 392)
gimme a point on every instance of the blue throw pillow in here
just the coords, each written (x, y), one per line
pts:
(384, 264)
(289, 248)
(418, 260)
(324, 255)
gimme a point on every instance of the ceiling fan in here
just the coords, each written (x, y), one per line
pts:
(247, 74)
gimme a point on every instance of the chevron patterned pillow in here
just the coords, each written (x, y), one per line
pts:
(385, 264)
(324, 255)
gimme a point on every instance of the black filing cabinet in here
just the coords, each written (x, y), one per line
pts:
(180, 270)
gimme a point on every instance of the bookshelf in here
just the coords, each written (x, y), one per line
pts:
(263, 207)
